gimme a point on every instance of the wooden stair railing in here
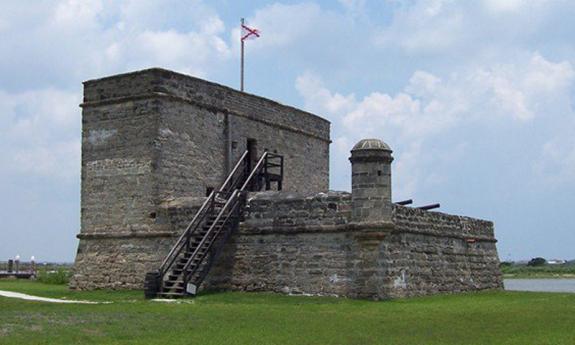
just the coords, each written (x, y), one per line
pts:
(190, 259)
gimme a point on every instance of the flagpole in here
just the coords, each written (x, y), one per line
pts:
(242, 58)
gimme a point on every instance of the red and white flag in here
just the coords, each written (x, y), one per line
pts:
(249, 33)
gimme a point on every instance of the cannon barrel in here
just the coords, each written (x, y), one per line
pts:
(405, 202)
(429, 207)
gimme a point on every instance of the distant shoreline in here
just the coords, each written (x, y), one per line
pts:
(512, 270)
(538, 276)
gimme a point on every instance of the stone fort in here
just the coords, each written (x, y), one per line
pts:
(190, 185)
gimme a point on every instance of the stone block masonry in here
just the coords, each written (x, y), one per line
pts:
(432, 252)
(152, 135)
(155, 135)
(154, 142)
(311, 245)
(371, 181)
(297, 244)
(119, 260)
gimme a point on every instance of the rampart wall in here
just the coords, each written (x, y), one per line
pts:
(309, 245)
(295, 244)
(155, 141)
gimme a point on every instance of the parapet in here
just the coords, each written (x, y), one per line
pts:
(299, 244)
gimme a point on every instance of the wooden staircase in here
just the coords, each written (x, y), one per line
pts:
(190, 259)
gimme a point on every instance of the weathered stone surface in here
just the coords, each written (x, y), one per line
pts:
(155, 140)
(153, 135)
(371, 181)
(118, 263)
(431, 252)
(297, 244)
(156, 134)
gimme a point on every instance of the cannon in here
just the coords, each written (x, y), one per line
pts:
(429, 207)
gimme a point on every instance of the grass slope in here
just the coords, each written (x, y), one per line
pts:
(261, 318)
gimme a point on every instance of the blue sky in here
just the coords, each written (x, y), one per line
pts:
(475, 98)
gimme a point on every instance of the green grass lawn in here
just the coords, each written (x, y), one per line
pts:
(262, 318)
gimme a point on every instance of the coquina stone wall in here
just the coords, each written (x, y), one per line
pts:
(155, 135)
(295, 244)
(118, 263)
(154, 141)
(121, 260)
(195, 130)
(433, 252)
(309, 245)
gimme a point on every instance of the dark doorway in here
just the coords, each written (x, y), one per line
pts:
(252, 147)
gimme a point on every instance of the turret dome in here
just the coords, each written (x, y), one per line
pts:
(371, 144)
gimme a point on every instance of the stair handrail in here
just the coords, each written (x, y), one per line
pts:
(232, 198)
(193, 225)
(234, 170)
(254, 171)
(236, 202)
(208, 233)
(181, 240)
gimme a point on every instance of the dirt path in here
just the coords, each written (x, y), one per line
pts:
(11, 294)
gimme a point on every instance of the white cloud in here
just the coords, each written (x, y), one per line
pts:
(187, 52)
(429, 106)
(427, 26)
(67, 41)
(55, 45)
(135, 44)
(4, 25)
(40, 133)
(159, 15)
(56, 160)
(304, 32)
(425, 75)
(77, 14)
(423, 84)
(475, 29)
(355, 7)
(320, 98)
(272, 21)
(522, 90)
(558, 157)
(506, 6)
(546, 76)
(555, 163)
(502, 93)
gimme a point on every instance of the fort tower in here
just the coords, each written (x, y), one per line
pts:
(190, 185)
(371, 181)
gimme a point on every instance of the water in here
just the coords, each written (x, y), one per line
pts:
(543, 285)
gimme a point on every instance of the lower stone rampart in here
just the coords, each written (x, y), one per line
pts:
(121, 259)
(309, 245)
(118, 263)
(432, 252)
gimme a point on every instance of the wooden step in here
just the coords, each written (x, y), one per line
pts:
(173, 286)
(171, 294)
(200, 255)
(174, 281)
